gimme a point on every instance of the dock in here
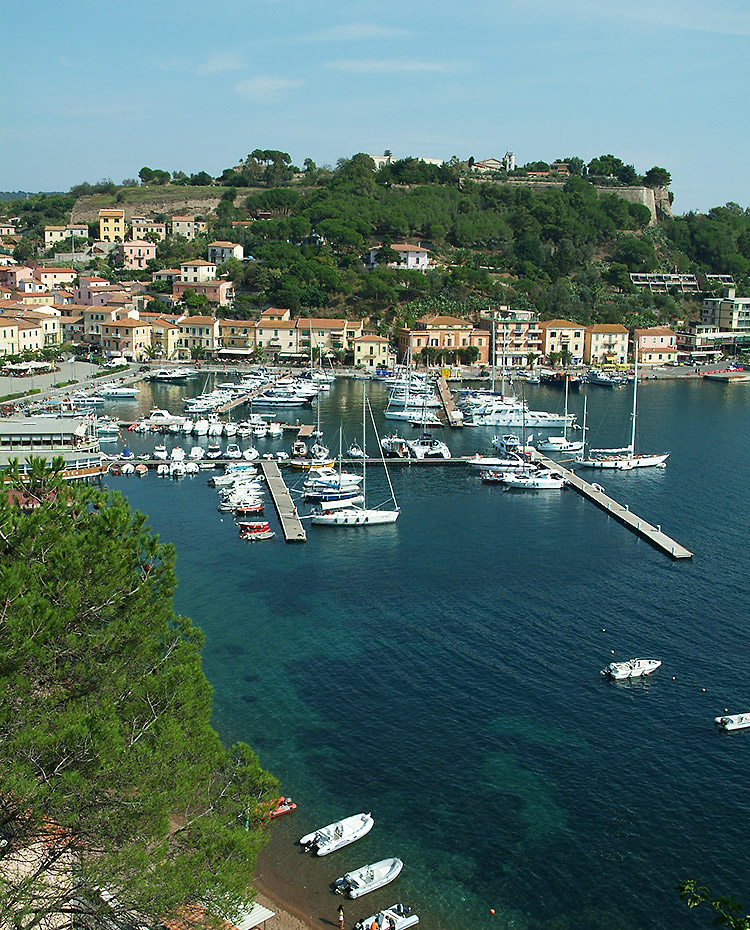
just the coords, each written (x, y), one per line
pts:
(242, 399)
(290, 521)
(621, 512)
(454, 416)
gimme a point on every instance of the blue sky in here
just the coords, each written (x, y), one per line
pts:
(97, 90)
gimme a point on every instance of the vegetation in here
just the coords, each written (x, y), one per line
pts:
(564, 249)
(728, 910)
(116, 792)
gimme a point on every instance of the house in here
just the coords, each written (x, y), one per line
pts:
(237, 334)
(563, 336)
(46, 318)
(140, 226)
(170, 275)
(188, 226)
(8, 336)
(372, 352)
(409, 256)
(606, 345)
(7, 229)
(219, 252)
(165, 335)
(488, 165)
(136, 253)
(275, 313)
(657, 345)
(50, 277)
(112, 225)
(217, 292)
(444, 333)
(197, 271)
(55, 234)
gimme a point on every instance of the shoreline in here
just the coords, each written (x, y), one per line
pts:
(282, 895)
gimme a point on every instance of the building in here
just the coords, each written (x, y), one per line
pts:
(136, 253)
(488, 165)
(327, 336)
(188, 226)
(699, 342)
(518, 338)
(198, 333)
(197, 271)
(52, 277)
(7, 229)
(237, 336)
(55, 234)
(606, 345)
(216, 292)
(126, 337)
(413, 257)
(275, 313)
(45, 318)
(140, 227)
(444, 334)
(657, 345)
(728, 312)
(661, 283)
(219, 252)
(112, 225)
(372, 352)
(561, 336)
(278, 337)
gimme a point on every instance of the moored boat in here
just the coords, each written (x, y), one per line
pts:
(733, 721)
(337, 835)
(279, 807)
(368, 878)
(633, 668)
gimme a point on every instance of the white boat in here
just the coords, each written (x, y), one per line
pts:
(233, 451)
(177, 470)
(360, 515)
(428, 447)
(275, 429)
(160, 452)
(368, 878)
(197, 453)
(562, 443)
(213, 451)
(395, 917)
(118, 393)
(337, 835)
(177, 454)
(627, 458)
(633, 668)
(534, 480)
(504, 464)
(355, 451)
(201, 427)
(733, 721)
(603, 378)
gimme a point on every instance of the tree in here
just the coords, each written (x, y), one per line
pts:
(657, 177)
(113, 779)
(729, 910)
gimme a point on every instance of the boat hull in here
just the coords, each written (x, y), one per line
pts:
(633, 668)
(369, 878)
(354, 517)
(337, 835)
(733, 721)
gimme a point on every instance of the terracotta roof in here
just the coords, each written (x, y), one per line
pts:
(200, 320)
(370, 339)
(561, 324)
(56, 270)
(116, 213)
(276, 324)
(307, 322)
(229, 323)
(655, 331)
(440, 319)
(224, 245)
(200, 262)
(607, 328)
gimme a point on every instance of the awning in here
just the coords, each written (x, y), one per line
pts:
(237, 351)
(255, 917)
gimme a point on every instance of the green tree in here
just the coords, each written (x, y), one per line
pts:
(728, 910)
(113, 779)
(657, 177)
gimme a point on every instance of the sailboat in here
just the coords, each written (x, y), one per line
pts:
(562, 443)
(627, 458)
(356, 515)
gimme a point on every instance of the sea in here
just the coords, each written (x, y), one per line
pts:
(444, 672)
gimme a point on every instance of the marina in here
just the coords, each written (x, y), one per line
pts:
(293, 632)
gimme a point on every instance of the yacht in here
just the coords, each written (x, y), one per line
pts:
(633, 668)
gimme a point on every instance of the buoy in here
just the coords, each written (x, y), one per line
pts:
(492, 910)
(673, 678)
(703, 689)
(603, 630)
(612, 651)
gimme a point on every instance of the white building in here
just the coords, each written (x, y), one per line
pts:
(219, 252)
(413, 257)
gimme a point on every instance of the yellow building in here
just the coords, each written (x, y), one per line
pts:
(606, 345)
(372, 352)
(111, 225)
(563, 336)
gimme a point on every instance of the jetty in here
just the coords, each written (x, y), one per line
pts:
(453, 415)
(282, 501)
(243, 398)
(621, 512)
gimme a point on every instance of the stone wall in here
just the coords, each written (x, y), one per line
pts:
(656, 200)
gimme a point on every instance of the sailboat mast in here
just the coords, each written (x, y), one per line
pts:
(494, 352)
(565, 421)
(385, 466)
(635, 396)
(364, 444)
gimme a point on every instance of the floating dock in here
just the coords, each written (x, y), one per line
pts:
(455, 418)
(727, 377)
(290, 521)
(621, 512)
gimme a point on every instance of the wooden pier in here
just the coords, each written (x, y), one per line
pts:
(621, 512)
(454, 415)
(290, 521)
(242, 399)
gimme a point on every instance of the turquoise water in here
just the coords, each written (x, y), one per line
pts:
(444, 672)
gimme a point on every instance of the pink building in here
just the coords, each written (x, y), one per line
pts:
(657, 345)
(136, 253)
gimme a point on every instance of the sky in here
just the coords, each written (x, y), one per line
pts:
(98, 90)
